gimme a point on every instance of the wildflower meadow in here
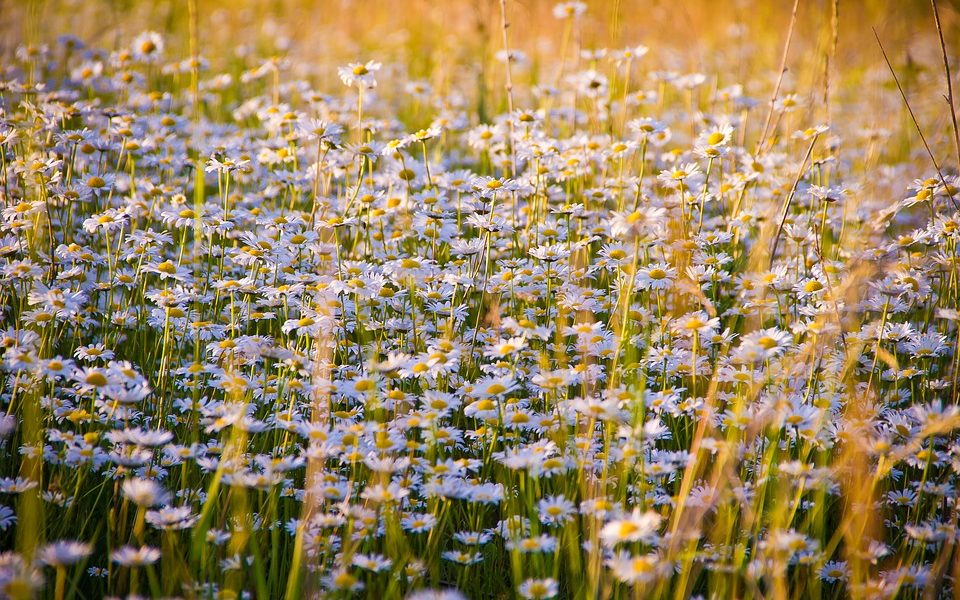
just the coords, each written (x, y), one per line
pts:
(479, 299)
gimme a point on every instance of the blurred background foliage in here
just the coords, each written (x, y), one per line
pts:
(446, 40)
(452, 45)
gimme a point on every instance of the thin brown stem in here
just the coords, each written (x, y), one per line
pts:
(831, 54)
(916, 123)
(786, 205)
(946, 70)
(776, 89)
(509, 84)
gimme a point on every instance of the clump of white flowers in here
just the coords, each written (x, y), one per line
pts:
(265, 337)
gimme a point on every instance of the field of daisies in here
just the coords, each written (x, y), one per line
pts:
(596, 326)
